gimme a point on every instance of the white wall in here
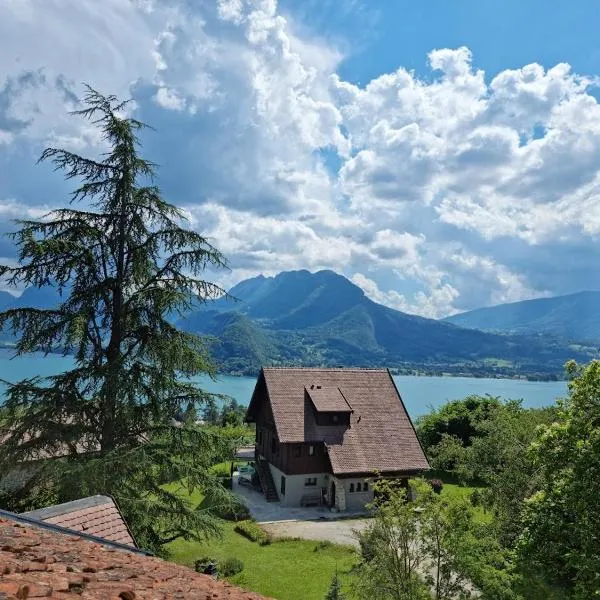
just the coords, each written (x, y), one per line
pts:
(356, 500)
(294, 486)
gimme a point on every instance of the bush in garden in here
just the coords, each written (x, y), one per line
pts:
(231, 566)
(206, 565)
(436, 485)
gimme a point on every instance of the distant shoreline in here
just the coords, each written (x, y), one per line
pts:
(440, 370)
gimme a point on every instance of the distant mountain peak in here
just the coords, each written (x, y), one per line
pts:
(572, 317)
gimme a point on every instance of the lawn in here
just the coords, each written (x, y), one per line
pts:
(453, 489)
(285, 569)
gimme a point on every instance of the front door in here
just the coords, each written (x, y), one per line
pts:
(282, 488)
(332, 495)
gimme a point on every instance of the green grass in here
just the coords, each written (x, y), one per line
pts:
(285, 569)
(453, 489)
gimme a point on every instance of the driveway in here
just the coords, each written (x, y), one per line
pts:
(338, 532)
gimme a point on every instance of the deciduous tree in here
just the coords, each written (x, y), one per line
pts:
(562, 520)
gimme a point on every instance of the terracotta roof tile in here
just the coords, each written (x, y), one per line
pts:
(35, 562)
(96, 515)
(381, 436)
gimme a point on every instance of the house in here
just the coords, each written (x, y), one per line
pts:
(322, 435)
(96, 515)
(39, 559)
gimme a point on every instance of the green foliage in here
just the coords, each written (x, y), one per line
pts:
(456, 420)
(391, 547)
(230, 566)
(232, 414)
(499, 458)
(253, 532)
(335, 589)
(123, 266)
(488, 445)
(562, 519)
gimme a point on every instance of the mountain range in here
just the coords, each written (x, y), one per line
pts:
(303, 318)
(323, 319)
(571, 318)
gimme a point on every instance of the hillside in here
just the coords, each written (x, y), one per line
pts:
(574, 317)
(311, 319)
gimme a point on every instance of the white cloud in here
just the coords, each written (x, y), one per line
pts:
(452, 190)
(168, 98)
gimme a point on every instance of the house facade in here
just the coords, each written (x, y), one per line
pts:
(323, 435)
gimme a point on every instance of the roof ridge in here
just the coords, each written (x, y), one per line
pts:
(22, 518)
(67, 507)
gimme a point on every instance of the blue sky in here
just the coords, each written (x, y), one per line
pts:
(501, 35)
(444, 155)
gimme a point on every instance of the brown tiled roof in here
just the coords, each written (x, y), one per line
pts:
(381, 436)
(328, 399)
(37, 563)
(96, 515)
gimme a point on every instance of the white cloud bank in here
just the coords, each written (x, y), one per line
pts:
(434, 195)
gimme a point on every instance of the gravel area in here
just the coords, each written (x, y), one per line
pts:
(338, 532)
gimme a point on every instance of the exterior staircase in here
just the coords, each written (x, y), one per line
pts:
(266, 480)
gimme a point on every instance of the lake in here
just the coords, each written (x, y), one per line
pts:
(420, 394)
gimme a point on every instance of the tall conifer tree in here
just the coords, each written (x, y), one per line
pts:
(124, 266)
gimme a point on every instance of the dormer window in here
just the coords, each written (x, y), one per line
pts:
(330, 405)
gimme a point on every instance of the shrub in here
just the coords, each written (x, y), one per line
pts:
(231, 566)
(225, 481)
(253, 532)
(436, 485)
(206, 565)
(236, 512)
(221, 469)
(476, 498)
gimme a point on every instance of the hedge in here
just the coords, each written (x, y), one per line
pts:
(253, 532)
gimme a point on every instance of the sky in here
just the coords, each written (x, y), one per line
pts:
(442, 154)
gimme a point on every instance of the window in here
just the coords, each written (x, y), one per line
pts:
(310, 481)
(334, 419)
(297, 451)
(365, 487)
(311, 450)
(282, 486)
(351, 488)
(273, 445)
(358, 487)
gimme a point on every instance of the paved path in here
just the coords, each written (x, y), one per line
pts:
(266, 512)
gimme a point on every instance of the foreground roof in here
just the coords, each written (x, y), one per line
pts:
(381, 436)
(36, 562)
(96, 515)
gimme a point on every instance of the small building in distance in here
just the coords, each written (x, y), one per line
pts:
(322, 435)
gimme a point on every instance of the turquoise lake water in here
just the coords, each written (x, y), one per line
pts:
(419, 393)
